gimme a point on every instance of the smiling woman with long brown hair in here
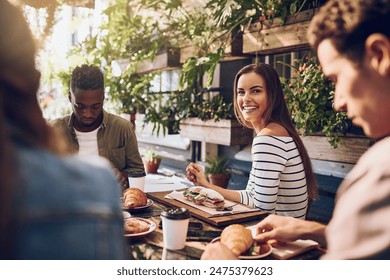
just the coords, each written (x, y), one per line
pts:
(281, 180)
(51, 206)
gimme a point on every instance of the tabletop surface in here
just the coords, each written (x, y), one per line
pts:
(151, 247)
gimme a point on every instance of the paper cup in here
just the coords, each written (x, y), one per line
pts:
(175, 226)
(137, 182)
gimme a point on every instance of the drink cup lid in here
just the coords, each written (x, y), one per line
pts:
(176, 213)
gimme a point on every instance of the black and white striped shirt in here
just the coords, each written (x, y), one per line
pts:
(277, 181)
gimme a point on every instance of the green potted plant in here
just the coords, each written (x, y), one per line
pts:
(151, 161)
(309, 96)
(242, 12)
(217, 171)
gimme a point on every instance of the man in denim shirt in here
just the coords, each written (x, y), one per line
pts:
(52, 206)
(90, 130)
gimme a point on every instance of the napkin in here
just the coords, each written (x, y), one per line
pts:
(159, 183)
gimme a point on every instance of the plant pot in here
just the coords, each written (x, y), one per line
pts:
(151, 166)
(276, 36)
(221, 180)
(349, 150)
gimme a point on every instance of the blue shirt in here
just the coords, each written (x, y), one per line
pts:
(66, 209)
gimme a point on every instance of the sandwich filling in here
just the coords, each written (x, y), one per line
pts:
(204, 196)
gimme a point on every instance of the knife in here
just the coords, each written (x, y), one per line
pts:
(222, 214)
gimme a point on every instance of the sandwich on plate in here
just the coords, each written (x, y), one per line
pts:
(204, 196)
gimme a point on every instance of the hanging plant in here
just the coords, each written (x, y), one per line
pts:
(242, 13)
(310, 96)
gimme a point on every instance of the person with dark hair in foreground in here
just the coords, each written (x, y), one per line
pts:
(352, 40)
(91, 131)
(52, 206)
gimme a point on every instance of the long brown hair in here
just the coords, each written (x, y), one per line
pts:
(21, 118)
(277, 112)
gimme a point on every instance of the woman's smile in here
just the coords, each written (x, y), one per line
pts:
(249, 109)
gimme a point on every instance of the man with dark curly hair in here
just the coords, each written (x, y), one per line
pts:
(91, 131)
(352, 40)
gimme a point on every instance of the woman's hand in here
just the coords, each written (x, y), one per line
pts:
(218, 251)
(195, 174)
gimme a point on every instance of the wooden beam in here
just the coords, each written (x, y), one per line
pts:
(168, 59)
(80, 3)
(277, 39)
(274, 36)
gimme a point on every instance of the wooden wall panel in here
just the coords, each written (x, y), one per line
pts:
(277, 39)
(223, 132)
(348, 151)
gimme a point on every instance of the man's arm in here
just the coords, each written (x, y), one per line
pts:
(289, 229)
(134, 163)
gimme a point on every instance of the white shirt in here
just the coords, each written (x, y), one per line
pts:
(87, 143)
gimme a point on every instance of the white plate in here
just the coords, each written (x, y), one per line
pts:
(265, 250)
(152, 227)
(149, 203)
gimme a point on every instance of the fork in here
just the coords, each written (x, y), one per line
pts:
(226, 208)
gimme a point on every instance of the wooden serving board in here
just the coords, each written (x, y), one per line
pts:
(201, 215)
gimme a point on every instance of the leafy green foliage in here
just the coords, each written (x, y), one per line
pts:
(215, 108)
(135, 31)
(150, 155)
(217, 165)
(309, 96)
(196, 100)
(242, 13)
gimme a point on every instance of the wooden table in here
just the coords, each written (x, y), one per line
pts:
(219, 222)
(150, 246)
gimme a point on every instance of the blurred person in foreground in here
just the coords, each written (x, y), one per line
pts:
(352, 40)
(90, 130)
(281, 180)
(52, 206)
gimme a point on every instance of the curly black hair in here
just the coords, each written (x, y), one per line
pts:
(348, 23)
(87, 77)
